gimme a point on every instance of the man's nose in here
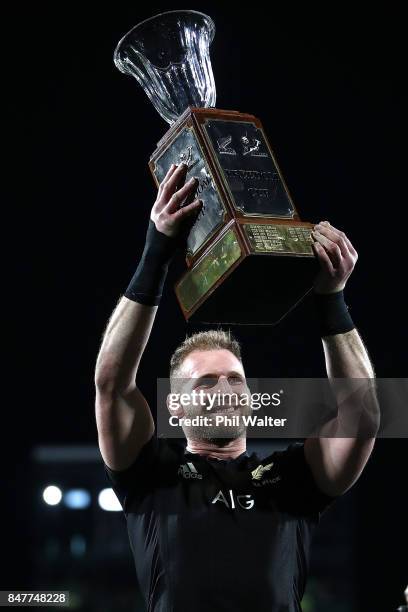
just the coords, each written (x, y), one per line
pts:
(224, 385)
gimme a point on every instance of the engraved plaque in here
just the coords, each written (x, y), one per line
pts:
(249, 170)
(279, 238)
(185, 148)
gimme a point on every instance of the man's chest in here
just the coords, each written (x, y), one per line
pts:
(206, 488)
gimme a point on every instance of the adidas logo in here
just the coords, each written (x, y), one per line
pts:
(188, 471)
(258, 472)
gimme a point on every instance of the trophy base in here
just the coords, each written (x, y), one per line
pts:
(261, 290)
(232, 285)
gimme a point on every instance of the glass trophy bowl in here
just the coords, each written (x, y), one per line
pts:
(169, 55)
(249, 256)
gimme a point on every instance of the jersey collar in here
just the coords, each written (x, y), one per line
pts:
(215, 459)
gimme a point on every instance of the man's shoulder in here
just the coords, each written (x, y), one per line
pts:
(163, 449)
(155, 450)
(155, 466)
(280, 454)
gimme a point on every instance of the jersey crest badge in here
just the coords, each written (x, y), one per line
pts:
(258, 472)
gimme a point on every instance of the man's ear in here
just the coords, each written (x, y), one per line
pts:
(174, 405)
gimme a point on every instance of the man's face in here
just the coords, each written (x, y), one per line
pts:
(215, 382)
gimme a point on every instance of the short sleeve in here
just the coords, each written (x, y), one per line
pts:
(134, 479)
(298, 492)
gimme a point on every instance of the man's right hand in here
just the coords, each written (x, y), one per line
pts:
(174, 205)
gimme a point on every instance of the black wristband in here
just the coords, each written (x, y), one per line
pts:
(146, 286)
(332, 312)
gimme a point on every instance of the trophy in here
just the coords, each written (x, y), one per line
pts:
(249, 256)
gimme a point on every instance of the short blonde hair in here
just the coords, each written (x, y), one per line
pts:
(213, 339)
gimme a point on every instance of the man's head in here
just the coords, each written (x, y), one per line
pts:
(214, 339)
(209, 364)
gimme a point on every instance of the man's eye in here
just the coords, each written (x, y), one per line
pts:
(235, 380)
(205, 383)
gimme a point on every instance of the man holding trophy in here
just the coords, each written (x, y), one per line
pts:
(212, 527)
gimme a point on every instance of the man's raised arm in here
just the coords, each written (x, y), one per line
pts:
(123, 417)
(337, 459)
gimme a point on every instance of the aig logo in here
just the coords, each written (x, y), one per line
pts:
(245, 501)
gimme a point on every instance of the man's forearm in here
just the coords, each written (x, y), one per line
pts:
(350, 372)
(341, 450)
(123, 344)
(338, 454)
(129, 328)
(346, 356)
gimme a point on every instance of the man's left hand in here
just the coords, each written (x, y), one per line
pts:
(336, 255)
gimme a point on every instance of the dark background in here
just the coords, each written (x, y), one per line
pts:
(327, 85)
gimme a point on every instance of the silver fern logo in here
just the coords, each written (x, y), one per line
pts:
(258, 472)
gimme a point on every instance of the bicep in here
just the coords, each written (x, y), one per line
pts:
(336, 463)
(125, 424)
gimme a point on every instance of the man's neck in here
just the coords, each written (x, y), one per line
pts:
(231, 450)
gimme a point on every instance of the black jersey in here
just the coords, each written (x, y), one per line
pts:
(211, 535)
